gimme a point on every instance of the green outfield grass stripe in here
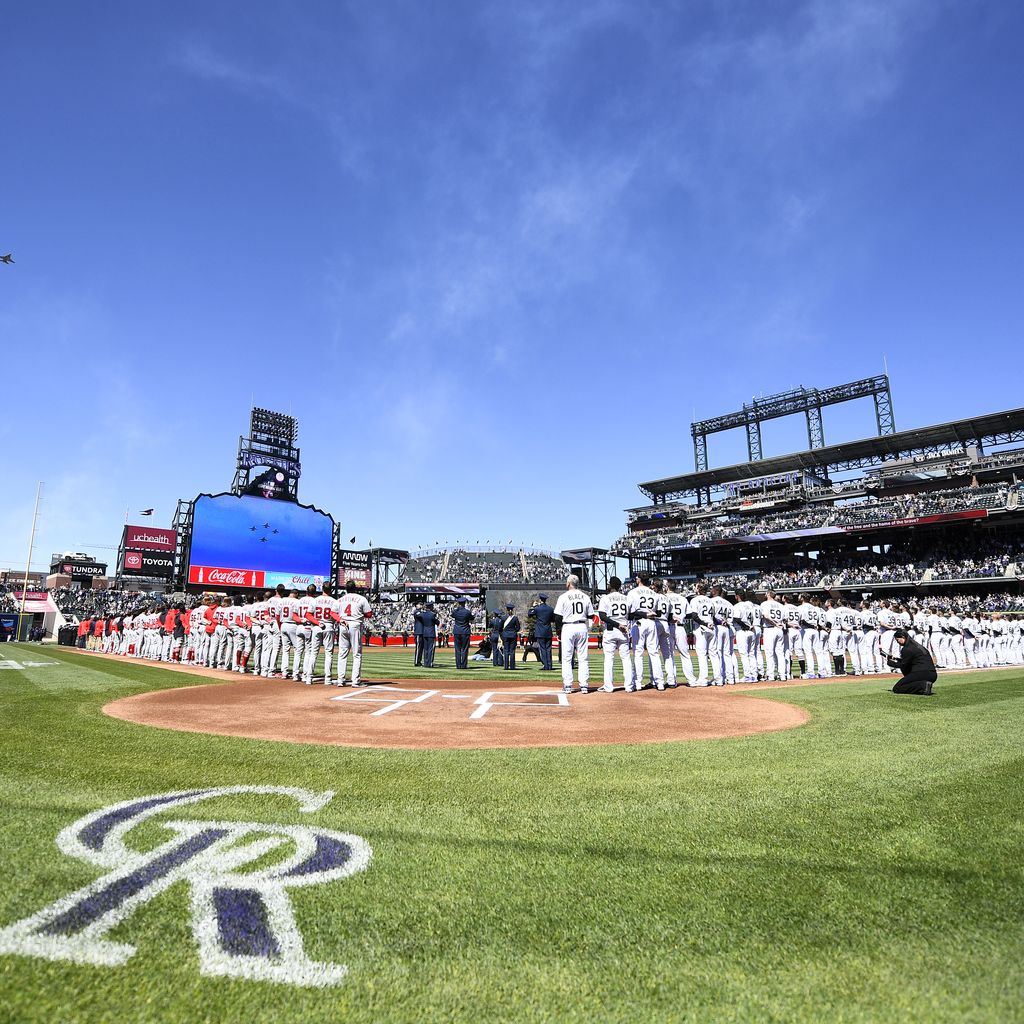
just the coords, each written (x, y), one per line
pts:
(866, 867)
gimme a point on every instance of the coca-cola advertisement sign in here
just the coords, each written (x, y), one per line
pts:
(150, 538)
(215, 576)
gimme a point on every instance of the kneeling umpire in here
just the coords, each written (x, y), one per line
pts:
(916, 665)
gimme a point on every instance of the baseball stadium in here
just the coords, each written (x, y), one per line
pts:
(512, 513)
(208, 819)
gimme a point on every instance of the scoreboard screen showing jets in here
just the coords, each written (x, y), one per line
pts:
(258, 542)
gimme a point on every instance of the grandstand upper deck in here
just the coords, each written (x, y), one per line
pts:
(956, 437)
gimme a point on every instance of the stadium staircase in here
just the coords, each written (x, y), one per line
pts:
(522, 565)
(443, 574)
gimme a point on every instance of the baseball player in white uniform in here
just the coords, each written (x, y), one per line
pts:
(293, 642)
(306, 625)
(677, 638)
(810, 638)
(702, 614)
(888, 623)
(776, 638)
(643, 606)
(796, 648)
(272, 636)
(573, 612)
(240, 634)
(743, 624)
(353, 610)
(723, 647)
(613, 612)
(325, 608)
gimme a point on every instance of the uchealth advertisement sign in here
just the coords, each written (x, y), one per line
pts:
(150, 538)
(216, 576)
(35, 601)
(148, 563)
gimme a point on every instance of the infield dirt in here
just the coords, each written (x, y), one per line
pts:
(452, 714)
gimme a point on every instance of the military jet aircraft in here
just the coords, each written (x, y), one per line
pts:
(6, 258)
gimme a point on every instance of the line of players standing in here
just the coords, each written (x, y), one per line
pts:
(278, 635)
(744, 641)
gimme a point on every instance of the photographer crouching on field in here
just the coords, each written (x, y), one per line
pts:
(916, 665)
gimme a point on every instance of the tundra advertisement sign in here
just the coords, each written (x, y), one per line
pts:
(78, 570)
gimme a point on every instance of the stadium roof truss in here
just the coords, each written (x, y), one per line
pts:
(990, 430)
(809, 401)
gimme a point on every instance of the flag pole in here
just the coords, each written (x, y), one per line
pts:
(28, 563)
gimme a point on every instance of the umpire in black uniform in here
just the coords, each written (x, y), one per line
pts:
(462, 628)
(916, 665)
(542, 615)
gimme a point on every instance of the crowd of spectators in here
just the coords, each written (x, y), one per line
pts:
(491, 567)
(857, 513)
(976, 565)
(911, 562)
(483, 567)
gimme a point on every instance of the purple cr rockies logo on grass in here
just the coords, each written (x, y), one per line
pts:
(242, 916)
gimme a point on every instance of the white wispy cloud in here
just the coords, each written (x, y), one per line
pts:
(200, 59)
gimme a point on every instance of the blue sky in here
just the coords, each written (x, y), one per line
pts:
(493, 256)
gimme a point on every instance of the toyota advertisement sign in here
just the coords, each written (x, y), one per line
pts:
(149, 563)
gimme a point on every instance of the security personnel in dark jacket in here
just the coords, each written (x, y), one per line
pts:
(542, 614)
(462, 623)
(916, 665)
(494, 625)
(426, 619)
(509, 636)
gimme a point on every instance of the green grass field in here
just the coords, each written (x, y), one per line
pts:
(868, 866)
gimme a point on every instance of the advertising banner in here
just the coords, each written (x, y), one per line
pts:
(946, 517)
(35, 601)
(149, 563)
(353, 559)
(293, 581)
(216, 576)
(364, 577)
(442, 588)
(79, 570)
(149, 538)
